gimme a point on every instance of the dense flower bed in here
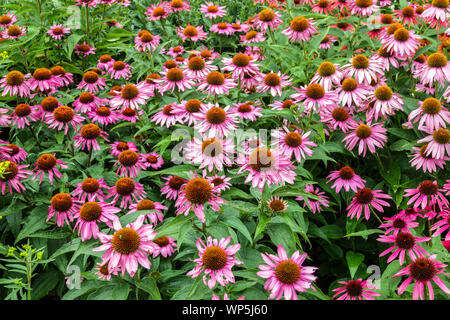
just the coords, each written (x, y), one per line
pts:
(224, 150)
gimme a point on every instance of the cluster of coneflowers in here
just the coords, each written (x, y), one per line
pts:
(354, 99)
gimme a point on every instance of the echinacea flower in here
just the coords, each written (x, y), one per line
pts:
(195, 194)
(383, 102)
(436, 12)
(268, 19)
(442, 225)
(11, 175)
(286, 276)
(103, 272)
(120, 70)
(197, 68)
(407, 15)
(314, 97)
(273, 82)
(438, 143)
(174, 78)
(252, 36)
(13, 32)
(324, 7)
(57, 31)
(363, 8)
(398, 224)
(369, 136)
(152, 160)
(221, 183)
(351, 93)
(402, 42)
(346, 178)
(293, 142)
(84, 49)
(129, 164)
(92, 82)
(423, 271)
(22, 115)
(216, 259)
(356, 290)
(131, 96)
(175, 51)
(15, 83)
(404, 242)
(436, 69)
(43, 79)
(128, 189)
(118, 146)
(90, 189)
(277, 205)
(61, 117)
(363, 69)
(158, 11)
(431, 113)
(65, 78)
(215, 83)
(327, 75)
(239, 65)
(247, 111)
(105, 62)
(313, 204)
(63, 208)
(172, 186)
(166, 116)
(128, 247)
(7, 19)
(426, 162)
(338, 117)
(46, 163)
(210, 153)
(147, 204)
(89, 215)
(87, 138)
(364, 198)
(103, 115)
(187, 111)
(165, 246)
(215, 121)
(12, 152)
(212, 11)
(222, 28)
(192, 33)
(427, 194)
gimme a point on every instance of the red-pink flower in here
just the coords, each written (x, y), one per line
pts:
(404, 242)
(365, 197)
(356, 290)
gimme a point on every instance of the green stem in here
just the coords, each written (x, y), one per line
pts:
(380, 164)
(376, 216)
(69, 136)
(163, 26)
(35, 137)
(90, 157)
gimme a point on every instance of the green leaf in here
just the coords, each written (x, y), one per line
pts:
(354, 259)
(149, 285)
(364, 233)
(238, 225)
(85, 287)
(119, 291)
(171, 226)
(43, 283)
(281, 234)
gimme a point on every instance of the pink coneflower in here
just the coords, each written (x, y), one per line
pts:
(113, 23)
(61, 117)
(432, 115)
(15, 84)
(22, 115)
(442, 225)
(346, 178)
(103, 272)
(129, 164)
(327, 42)
(120, 70)
(172, 187)
(365, 197)
(273, 82)
(239, 65)
(282, 105)
(192, 33)
(426, 162)
(166, 116)
(105, 62)
(363, 8)
(215, 121)
(87, 3)
(342, 5)
(11, 174)
(410, 213)
(404, 242)
(438, 143)
(324, 7)
(356, 290)
(5, 120)
(435, 14)
(436, 69)
(286, 276)
(337, 117)
(131, 96)
(7, 19)
(213, 11)
(268, 19)
(165, 246)
(225, 297)
(386, 59)
(210, 153)
(293, 143)
(12, 152)
(254, 53)
(87, 137)
(188, 110)
(266, 166)
(145, 41)
(194, 194)
(175, 51)
(90, 214)
(103, 115)
(197, 68)
(86, 102)
(351, 93)
(46, 163)
(90, 189)
(147, 204)
(398, 224)
(43, 79)
(215, 260)
(128, 247)
(13, 32)
(221, 183)
(423, 271)
(84, 49)
(179, 5)
(92, 82)
(368, 136)
(363, 69)
(406, 15)
(208, 54)
(427, 194)
(314, 97)
(247, 111)
(253, 36)
(152, 160)
(383, 102)
(222, 28)
(118, 146)
(313, 204)
(158, 11)
(276, 204)
(402, 42)
(65, 78)
(174, 78)
(57, 31)
(215, 83)
(127, 189)
(62, 207)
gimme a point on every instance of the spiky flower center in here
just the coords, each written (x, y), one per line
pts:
(146, 37)
(126, 241)
(175, 75)
(169, 64)
(363, 131)
(83, 47)
(5, 19)
(121, 146)
(90, 77)
(124, 186)
(222, 25)
(212, 147)
(129, 91)
(401, 35)
(14, 31)
(175, 183)
(250, 35)
(128, 112)
(152, 159)
(215, 78)
(437, 60)
(149, 79)
(217, 181)
(196, 63)
(315, 91)
(86, 97)
(293, 139)
(216, 115)
(206, 54)
(408, 12)
(383, 93)
(443, 4)
(177, 4)
(364, 3)
(349, 84)
(90, 185)
(90, 211)
(214, 258)
(323, 3)
(213, 9)
(46, 162)
(103, 111)
(354, 288)
(266, 15)
(441, 136)
(42, 74)
(360, 62)
(364, 196)
(431, 106)
(10, 170)
(241, 60)
(190, 31)
(198, 191)
(90, 131)
(105, 58)
(57, 31)
(61, 202)
(159, 12)
(58, 70)
(423, 150)
(128, 158)
(287, 272)
(63, 114)
(382, 52)
(340, 114)
(167, 110)
(119, 65)
(405, 240)
(299, 24)
(326, 69)
(346, 173)
(261, 158)
(277, 205)
(145, 205)
(272, 80)
(14, 78)
(287, 104)
(14, 149)
(161, 241)
(399, 223)
(393, 27)
(245, 108)
(428, 188)
(22, 110)
(193, 105)
(387, 19)
(422, 269)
